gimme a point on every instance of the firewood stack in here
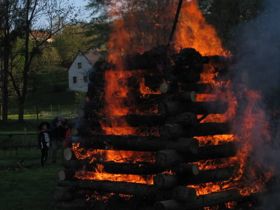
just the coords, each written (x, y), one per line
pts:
(165, 136)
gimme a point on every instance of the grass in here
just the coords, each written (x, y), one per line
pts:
(33, 188)
(28, 189)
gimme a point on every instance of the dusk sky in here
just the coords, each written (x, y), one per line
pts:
(80, 5)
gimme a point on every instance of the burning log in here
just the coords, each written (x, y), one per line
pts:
(112, 167)
(148, 60)
(203, 129)
(202, 201)
(115, 187)
(77, 204)
(166, 181)
(174, 87)
(66, 174)
(68, 154)
(169, 158)
(156, 120)
(136, 143)
(63, 194)
(171, 108)
(184, 193)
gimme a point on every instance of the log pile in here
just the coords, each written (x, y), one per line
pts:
(165, 159)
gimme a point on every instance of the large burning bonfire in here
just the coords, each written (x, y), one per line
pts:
(165, 124)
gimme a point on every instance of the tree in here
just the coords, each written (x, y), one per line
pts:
(10, 27)
(69, 41)
(56, 14)
(226, 15)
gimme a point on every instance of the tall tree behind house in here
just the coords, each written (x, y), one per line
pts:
(56, 15)
(10, 29)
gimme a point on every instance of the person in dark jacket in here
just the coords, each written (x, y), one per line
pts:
(58, 133)
(44, 142)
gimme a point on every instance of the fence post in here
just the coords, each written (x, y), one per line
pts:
(37, 112)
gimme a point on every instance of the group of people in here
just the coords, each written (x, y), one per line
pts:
(51, 138)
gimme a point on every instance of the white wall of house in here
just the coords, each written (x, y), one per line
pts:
(78, 74)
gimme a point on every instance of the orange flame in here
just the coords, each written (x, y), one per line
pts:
(194, 32)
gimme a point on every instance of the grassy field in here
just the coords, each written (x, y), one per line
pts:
(28, 189)
(26, 186)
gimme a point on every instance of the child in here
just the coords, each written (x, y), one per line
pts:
(67, 134)
(44, 141)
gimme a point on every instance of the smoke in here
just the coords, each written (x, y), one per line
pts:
(259, 49)
(258, 67)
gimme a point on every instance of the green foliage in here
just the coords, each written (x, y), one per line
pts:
(69, 42)
(226, 15)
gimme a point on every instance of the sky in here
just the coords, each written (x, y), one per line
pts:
(80, 5)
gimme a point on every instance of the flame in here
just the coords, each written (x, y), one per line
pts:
(231, 205)
(101, 175)
(194, 32)
(144, 90)
(215, 139)
(118, 156)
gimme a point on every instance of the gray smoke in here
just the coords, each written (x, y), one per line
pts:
(258, 65)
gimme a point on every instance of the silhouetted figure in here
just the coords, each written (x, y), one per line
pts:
(44, 141)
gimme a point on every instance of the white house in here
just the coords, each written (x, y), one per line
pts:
(78, 73)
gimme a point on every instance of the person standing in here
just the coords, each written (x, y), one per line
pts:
(67, 134)
(58, 133)
(44, 142)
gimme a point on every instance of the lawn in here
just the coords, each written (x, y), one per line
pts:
(24, 185)
(28, 189)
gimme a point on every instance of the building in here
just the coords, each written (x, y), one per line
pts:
(78, 73)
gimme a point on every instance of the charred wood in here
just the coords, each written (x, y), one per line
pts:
(202, 201)
(203, 129)
(166, 181)
(171, 108)
(112, 167)
(169, 158)
(116, 187)
(136, 143)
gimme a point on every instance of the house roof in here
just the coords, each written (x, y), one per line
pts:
(92, 56)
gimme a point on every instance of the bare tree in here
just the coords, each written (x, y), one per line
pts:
(52, 15)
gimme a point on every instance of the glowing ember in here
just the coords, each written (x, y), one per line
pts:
(103, 176)
(215, 139)
(144, 90)
(118, 156)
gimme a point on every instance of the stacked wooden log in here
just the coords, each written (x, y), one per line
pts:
(168, 158)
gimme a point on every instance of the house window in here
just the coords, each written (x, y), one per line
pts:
(79, 65)
(74, 80)
(85, 79)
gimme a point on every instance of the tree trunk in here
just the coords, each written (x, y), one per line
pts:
(27, 62)
(21, 102)
(6, 59)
